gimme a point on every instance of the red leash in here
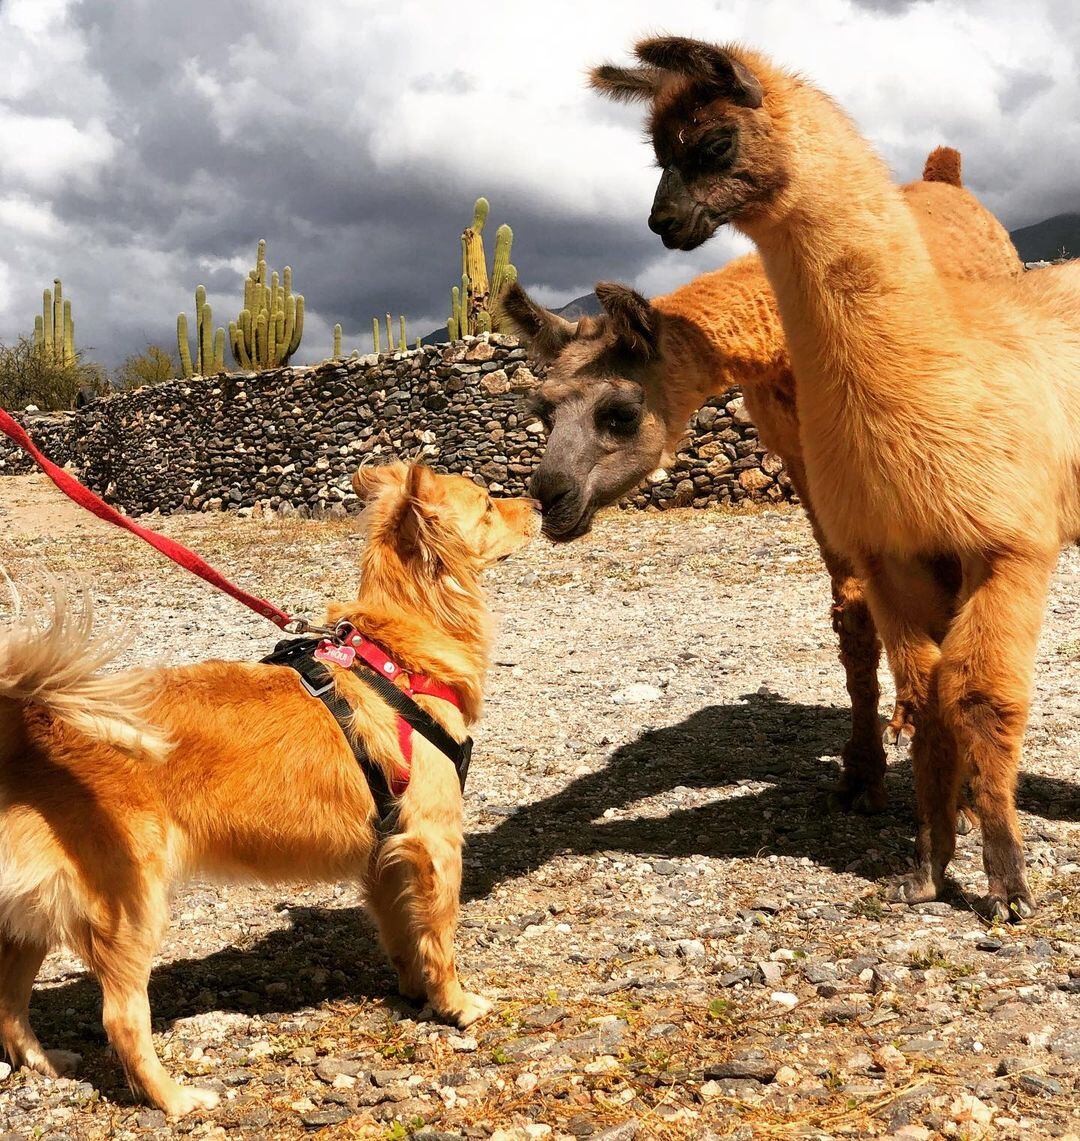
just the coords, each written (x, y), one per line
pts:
(171, 549)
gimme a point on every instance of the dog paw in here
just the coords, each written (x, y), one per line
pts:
(473, 1006)
(52, 1063)
(191, 1099)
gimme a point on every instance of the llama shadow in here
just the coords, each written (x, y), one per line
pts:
(790, 747)
(771, 761)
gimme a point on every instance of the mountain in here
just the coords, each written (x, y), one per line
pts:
(1045, 240)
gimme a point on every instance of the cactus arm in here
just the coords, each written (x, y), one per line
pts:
(47, 324)
(389, 335)
(375, 347)
(404, 343)
(39, 334)
(298, 325)
(183, 347)
(58, 321)
(69, 335)
(483, 321)
(337, 343)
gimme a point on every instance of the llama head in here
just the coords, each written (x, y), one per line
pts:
(604, 433)
(711, 130)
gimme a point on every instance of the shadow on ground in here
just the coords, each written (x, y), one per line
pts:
(329, 954)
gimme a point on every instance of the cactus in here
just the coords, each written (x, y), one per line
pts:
(403, 345)
(476, 308)
(337, 342)
(389, 335)
(54, 330)
(268, 329)
(209, 344)
(375, 347)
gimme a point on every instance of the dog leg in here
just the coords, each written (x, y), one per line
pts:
(433, 889)
(119, 953)
(388, 899)
(19, 965)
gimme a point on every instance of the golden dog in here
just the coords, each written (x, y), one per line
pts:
(115, 786)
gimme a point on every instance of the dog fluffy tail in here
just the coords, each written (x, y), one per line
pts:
(943, 165)
(50, 655)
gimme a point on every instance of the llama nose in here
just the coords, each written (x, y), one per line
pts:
(549, 487)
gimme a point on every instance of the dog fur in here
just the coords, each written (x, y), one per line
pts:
(113, 787)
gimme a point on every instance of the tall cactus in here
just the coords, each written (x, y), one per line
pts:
(375, 347)
(268, 329)
(337, 342)
(54, 329)
(209, 345)
(477, 307)
(402, 343)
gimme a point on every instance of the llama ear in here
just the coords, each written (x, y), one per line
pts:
(546, 333)
(369, 481)
(635, 322)
(705, 63)
(625, 84)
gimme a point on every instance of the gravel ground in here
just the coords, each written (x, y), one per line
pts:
(680, 939)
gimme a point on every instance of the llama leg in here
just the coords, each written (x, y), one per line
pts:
(19, 965)
(119, 954)
(389, 900)
(433, 889)
(985, 691)
(862, 785)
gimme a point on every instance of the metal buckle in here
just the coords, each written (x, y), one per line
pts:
(303, 626)
(320, 690)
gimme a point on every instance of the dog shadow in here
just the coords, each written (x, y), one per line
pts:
(768, 763)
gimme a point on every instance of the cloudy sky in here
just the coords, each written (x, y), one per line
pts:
(145, 145)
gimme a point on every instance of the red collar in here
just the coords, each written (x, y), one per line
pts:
(347, 637)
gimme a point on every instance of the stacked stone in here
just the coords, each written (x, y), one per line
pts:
(290, 439)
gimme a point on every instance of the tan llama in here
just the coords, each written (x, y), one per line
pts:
(939, 420)
(656, 362)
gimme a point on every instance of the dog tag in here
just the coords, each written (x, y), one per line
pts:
(343, 656)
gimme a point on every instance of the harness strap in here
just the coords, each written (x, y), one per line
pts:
(318, 680)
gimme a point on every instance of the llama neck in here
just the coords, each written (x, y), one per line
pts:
(853, 279)
(721, 330)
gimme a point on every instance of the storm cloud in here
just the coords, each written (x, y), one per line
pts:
(147, 145)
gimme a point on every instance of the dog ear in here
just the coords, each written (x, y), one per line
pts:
(369, 481)
(704, 63)
(418, 523)
(545, 332)
(625, 84)
(634, 320)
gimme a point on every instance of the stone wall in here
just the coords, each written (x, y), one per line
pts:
(290, 439)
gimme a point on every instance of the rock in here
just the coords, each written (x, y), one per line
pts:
(756, 1067)
(5, 1071)
(330, 1068)
(326, 1115)
(1066, 1044)
(637, 694)
(1039, 1086)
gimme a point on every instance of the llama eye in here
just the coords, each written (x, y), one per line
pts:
(719, 149)
(619, 419)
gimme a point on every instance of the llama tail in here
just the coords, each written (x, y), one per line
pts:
(50, 656)
(943, 165)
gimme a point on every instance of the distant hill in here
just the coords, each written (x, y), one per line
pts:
(1045, 240)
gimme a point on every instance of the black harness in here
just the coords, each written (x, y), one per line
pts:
(318, 680)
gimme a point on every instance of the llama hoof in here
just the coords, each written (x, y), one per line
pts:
(190, 1099)
(1016, 910)
(915, 888)
(852, 795)
(899, 736)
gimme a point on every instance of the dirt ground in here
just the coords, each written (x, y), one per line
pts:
(680, 939)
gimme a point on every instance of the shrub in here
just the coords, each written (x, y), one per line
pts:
(29, 376)
(150, 367)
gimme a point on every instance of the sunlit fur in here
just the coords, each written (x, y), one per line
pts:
(939, 423)
(723, 330)
(259, 781)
